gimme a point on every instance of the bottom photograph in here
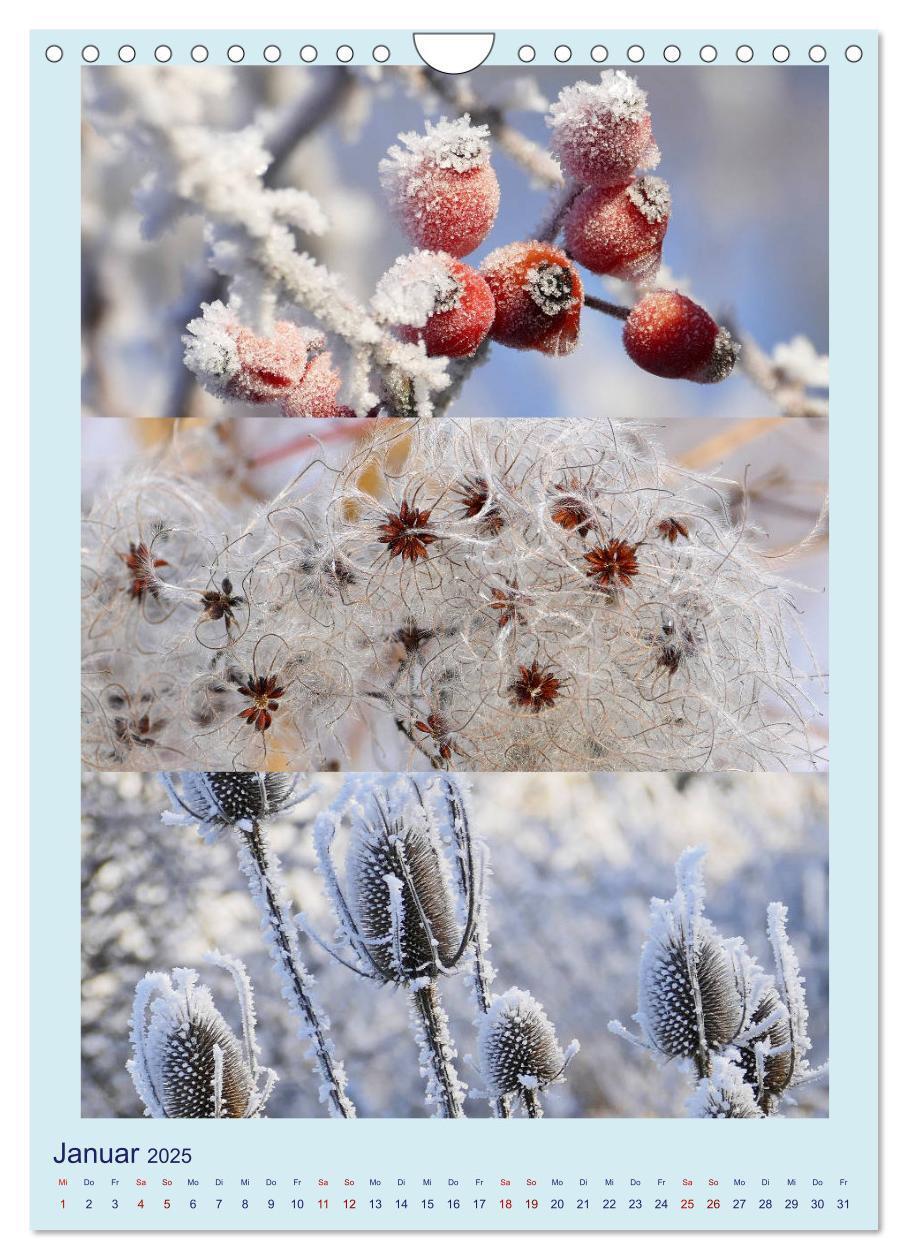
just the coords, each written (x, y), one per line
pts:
(491, 946)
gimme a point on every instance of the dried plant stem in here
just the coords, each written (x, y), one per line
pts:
(530, 1100)
(714, 449)
(340, 431)
(606, 308)
(791, 396)
(481, 987)
(437, 1057)
(258, 866)
(562, 201)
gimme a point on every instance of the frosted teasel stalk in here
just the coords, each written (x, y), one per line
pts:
(187, 1062)
(410, 912)
(504, 595)
(455, 830)
(704, 999)
(241, 804)
(397, 912)
(274, 288)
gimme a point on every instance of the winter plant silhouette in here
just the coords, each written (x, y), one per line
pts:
(410, 912)
(480, 595)
(432, 317)
(703, 998)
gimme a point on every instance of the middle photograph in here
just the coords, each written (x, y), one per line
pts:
(470, 594)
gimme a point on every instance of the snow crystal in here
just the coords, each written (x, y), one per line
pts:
(415, 287)
(800, 361)
(617, 93)
(723, 1095)
(211, 352)
(652, 197)
(456, 145)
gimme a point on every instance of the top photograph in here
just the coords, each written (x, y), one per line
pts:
(378, 241)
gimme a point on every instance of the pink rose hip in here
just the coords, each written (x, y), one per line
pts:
(271, 364)
(315, 393)
(619, 231)
(234, 362)
(441, 186)
(671, 336)
(602, 132)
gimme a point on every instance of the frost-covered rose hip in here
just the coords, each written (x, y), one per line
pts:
(461, 317)
(669, 335)
(233, 362)
(602, 132)
(618, 231)
(315, 393)
(538, 297)
(441, 186)
(438, 300)
(270, 365)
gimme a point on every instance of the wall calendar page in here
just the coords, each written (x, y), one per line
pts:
(473, 428)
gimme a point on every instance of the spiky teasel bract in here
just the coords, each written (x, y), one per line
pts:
(689, 1003)
(703, 998)
(571, 543)
(187, 1062)
(397, 905)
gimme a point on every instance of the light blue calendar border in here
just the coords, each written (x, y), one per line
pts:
(845, 1145)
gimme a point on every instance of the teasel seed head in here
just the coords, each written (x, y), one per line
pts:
(187, 1062)
(401, 899)
(214, 801)
(766, 1053)
(689, 1003)
(517, 1045)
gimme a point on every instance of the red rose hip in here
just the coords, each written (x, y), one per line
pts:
(602, 132)
(619, 231)
(671, 336)
(435, 299)
(441, 186)
(462, 312)
(538, 297)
